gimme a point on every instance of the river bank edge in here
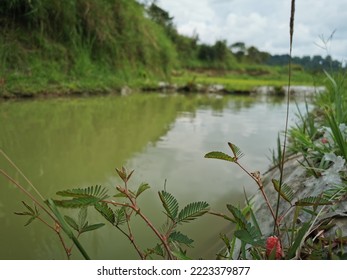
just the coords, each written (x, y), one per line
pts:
(164, 87)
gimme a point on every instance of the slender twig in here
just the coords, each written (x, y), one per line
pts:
(162, 238)
(66, 249)
(57, 224)
(19, 186)
(261, 188)
(132, 240)
(291, 27)
(131, 236)
(21, 173)
(43, 221)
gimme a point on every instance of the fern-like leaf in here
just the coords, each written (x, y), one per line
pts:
(180, 254)
(220, 155)
(192, 211)
(239, 217)
(335, 193)
(120, 216)
(97, 191)
(34, 213)
(249, 236)
(106, 212)
(285, 191)
(157, 250)
(247, 233)
(180, 238)
(312, 201)
(236, 151)
(170, 204)
(77, 202)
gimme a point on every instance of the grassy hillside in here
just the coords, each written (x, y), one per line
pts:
(78, 45)
(64, 47)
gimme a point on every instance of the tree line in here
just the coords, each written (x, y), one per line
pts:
(221, 55)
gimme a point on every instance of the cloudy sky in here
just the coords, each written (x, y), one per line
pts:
(265, 23)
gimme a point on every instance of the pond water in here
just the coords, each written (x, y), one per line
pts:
(73, 143)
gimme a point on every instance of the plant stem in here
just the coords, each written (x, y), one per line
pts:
(19, 186)
(291, 26)
(261, 188)
(21, 173)
(148, 222)
(131, 239)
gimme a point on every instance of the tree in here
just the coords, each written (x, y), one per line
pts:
(239, 50)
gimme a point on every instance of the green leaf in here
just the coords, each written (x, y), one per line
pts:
(239, 217)
(312, 201)
(142, 188)
(236, 151)
(82, 217)
(91, 227)
(220, 155)
(178, 237)
(66, 228)
(247, 237)
(192, 211)
(129, 176)
(120, 195)
(77, 202)
(30, 220)
(254, 219)
(170, 204)
(253, 231)
(180, 255)
(120, 216)
(23, 213)
(157, 250)
(33, 213)
(106, 212)
(285, 191)
(72, 223)
(29, 208)
(97, 192)
(299, 239)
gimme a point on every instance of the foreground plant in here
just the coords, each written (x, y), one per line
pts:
(118, 209)
(289, 239)
(47, 213)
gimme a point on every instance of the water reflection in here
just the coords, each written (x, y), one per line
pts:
(70, 143)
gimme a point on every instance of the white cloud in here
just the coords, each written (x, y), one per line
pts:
(264, 24)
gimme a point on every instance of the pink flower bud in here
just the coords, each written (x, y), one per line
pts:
(272, 244)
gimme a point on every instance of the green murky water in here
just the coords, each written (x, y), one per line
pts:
(72, 143)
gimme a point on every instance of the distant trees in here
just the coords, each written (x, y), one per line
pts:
(314, 63)
(248, 55)
(191, 53)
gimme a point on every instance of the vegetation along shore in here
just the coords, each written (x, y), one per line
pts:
(55, 48)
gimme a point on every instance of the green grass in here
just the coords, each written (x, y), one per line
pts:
(61, 47)
(64, 46)
(245, 78)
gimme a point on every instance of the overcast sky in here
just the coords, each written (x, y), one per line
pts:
(265, 23)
